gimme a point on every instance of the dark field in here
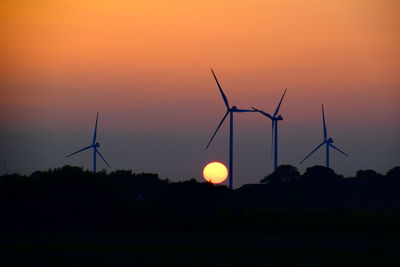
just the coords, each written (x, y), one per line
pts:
(194, 248)
(68, 216)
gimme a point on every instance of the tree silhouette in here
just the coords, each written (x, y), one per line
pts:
(368, 175)
(73, 199)
(319, 175)
(283, 173)
(394, 173)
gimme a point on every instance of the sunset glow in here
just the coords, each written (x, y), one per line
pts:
(145, 66)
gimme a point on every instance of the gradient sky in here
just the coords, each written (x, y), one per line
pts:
(145, 66)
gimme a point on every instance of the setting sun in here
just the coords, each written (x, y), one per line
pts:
(215, 172)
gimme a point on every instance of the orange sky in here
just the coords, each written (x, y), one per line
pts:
(326, 42)
(131, 60)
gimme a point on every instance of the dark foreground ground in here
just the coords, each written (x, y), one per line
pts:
(68, 216)
(198, 249)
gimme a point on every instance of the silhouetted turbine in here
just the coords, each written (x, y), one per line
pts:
(94, 145)
(327, 142)
(274, 135)
(230, 111)
(5, 168)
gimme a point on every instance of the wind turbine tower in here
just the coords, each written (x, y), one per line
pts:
(327, 142)
(95, 145)
(274, 135)
(229, 111)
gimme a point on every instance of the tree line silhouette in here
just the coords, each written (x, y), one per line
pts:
(318, 201)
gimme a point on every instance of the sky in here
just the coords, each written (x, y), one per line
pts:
(145, 67)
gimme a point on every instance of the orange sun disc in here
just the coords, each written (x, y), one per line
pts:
(215, 172)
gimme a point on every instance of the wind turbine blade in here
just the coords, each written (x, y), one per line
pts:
(245, 110)
(220, 89)
(219, 125)
(313, 152)
(323, 121)
(334, 147)
(262, 112)
(80, 150)
(95, 129)
(98, 152)
(280, 102)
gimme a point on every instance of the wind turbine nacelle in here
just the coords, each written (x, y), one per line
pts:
(234, 108)
(330, 141)
(97, 145)
(279, 118)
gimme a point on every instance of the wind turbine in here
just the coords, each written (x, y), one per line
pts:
(274, 119)
(229, 111)
(95, 146)
(5, 168)
(327, 142)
